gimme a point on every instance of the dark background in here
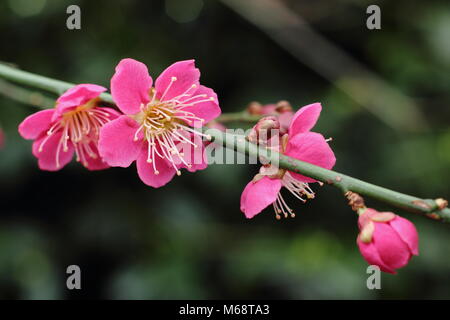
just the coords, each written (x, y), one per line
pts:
(189, 240)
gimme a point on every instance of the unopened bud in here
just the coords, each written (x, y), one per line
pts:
(264, 129)
(283, 106)
(254, 108)
(386, 239)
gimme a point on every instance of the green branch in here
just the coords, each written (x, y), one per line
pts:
(345, 183)
(40, 82)
(425, 207)
(25, 96)
(238, 117)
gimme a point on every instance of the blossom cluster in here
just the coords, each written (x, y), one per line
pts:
(153, 127)
(156, 125)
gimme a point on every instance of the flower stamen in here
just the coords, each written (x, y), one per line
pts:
(81, 127)
(165, 125)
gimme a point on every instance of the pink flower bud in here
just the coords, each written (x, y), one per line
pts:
(264, 130)
(283, 106)
(269, 109)
(254, 108)
(386, 239)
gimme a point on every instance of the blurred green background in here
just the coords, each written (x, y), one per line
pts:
(189, 240)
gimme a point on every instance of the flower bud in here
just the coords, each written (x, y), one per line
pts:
(264, 130)
(254, 108)
(386, 239)
(283, 106)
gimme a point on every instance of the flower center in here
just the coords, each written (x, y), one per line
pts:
(299, 189)
(164, 125)
(81, 127)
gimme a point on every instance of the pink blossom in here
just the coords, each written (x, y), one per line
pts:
(386, 239)
(298, 143)
(157, 128)
(73, 126)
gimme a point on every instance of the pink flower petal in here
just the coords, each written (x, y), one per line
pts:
(269, 109)
(186, 75)
(130, 85)
(407, 232)
(48, 154)
(113, 114)
(258, 195)
(285, 120)
(304, 119)
(391, 248)
(206, 110)
(36, 124)
(116, 144)
(370, 254)
(364, 218)
(310, 147)
(77, 96)
(193, 156)
(96, 163)
(147, 174)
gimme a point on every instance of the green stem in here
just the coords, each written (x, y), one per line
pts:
(238, 117)
(25, 96)
(40, 82)
(425, 207)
